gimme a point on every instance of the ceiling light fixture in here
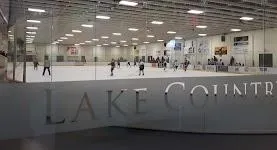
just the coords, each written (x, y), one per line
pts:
(146, 42)
(160, 40)
(201, 27)
(125, 45)
(99, 45)
(69, 35)
(157, 22)
(103, 17)
(105, 44)
(95, 39)
(171, 32)
(31, 33)
(178, 38)
(10, 31)
(64, 38)
(246, 18)
(123, 41)
(32, 28)
(76, 31)
(36, 10)
(82, 43)
(197, 12)
(76, 44)
(88, 41)
(104, 37)
(235, 30)
(135, 43)
(128, 3)
(135, 39)
(133, 29)
(150, 36)
(117, 46)
(117, 34)
(87, 25)
(29, 36)
(202, 34)
(113, 43)
(33, 21)
(60, 40)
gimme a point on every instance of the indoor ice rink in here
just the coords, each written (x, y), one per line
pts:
(138, 74)
(79, 44)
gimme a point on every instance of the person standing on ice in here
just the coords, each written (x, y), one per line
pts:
(141, 67)
(112, 66)
(46, 66)
(175, 65)
(36, 64)
(118, 63)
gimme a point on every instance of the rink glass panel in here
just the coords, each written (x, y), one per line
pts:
(253, 49)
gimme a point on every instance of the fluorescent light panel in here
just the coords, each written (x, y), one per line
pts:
(32, 28)
(71, 35)
(60, 40)
(76, 31)
(88, 41)
(36, 10)
(246, 18)
(117, 46)
(104, 37)
(31, 33)
(133, 29)
(95, 39)
(135, 39)
(202, 34)
(76, 44)
(33, 21)
(125, 45)
(87, 25)
(118, 34)
(146, 42)
(236, 30)
(160, 40)
(197, 12)
(103, 17)
(171, 32)
(128, 3)
(157, 22)
(64, 38)
(105, 44)
(150, 36)
(178, 38)
(82, 43)
(99, 45)
(201, 27)
(113, 42)
(123, 41)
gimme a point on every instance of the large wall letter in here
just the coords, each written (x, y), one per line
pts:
(138, 100)
(89, 108)
(268, 88)
(256, 86)
(48, 108)
(166, 94)
(112, 103)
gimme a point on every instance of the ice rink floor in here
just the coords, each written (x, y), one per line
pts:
(84, 73)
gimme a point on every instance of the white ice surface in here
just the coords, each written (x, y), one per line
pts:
(83, 73)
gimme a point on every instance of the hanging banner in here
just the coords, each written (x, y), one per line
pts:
(241, 44)
(203, 46)
(72, 51)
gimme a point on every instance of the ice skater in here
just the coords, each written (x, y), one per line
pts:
(35, 64)
(129, 64)
(141, 68)
(186, 64)
(175, 65)
(112, 66)
(118, 63)
(46, 66)
(165, 65)
(135, 63)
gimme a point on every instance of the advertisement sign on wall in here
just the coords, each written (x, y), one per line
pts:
(221, 50)
(72, 51)
(241, 44)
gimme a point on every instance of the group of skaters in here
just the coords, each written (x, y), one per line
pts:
(141, 65)
(113, 66)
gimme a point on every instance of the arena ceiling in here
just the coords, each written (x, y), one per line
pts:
(63, 16)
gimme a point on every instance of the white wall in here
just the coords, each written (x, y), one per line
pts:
(103, 53)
